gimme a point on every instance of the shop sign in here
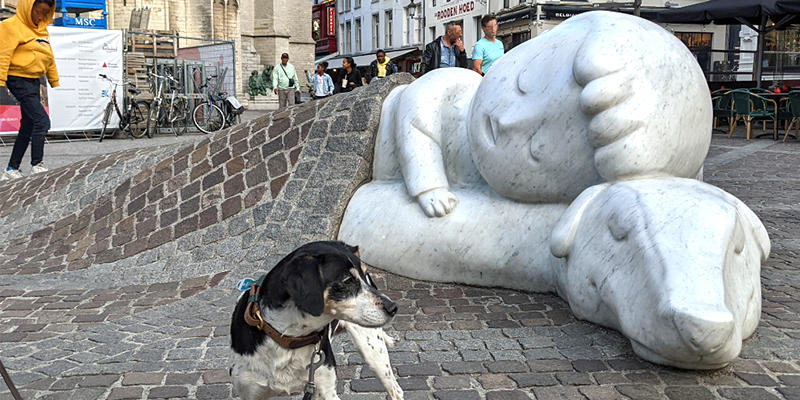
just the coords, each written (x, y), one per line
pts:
(455, 10)
(331, 21)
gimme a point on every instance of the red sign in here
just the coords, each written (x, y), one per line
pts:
(452, 11)
(331, 21)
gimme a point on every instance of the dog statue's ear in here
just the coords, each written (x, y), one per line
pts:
(304, 285)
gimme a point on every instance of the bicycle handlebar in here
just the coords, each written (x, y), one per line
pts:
(123, 83)
(163, 77)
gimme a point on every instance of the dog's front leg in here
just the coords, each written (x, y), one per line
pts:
(371, 343)
(325, 378)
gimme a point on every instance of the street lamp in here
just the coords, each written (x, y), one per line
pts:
(412, 11)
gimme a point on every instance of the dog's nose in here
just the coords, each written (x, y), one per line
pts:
(705, 332)
(389, 306)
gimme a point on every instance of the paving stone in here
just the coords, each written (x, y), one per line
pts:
(121, 393)
(688, 392)
(533, 379)
(451, 382)
(507, 395)
(166, 392)
(746, 394)
(557, 392)
(456, 395)
(142, 378)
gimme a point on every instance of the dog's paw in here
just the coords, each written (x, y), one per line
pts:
(437, 202)
(387, 339)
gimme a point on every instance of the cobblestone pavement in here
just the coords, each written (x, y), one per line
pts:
(117, 276)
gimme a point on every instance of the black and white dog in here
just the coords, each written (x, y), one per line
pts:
(290, 314)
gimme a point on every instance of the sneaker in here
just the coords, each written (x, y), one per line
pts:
(10, 174)
(38, 168)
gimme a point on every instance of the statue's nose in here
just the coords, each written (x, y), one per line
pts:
(704, 331)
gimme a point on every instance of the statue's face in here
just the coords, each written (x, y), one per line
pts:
(527, 133)
(601, 97)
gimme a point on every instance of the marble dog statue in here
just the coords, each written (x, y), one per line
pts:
(568, 134)
(692, 252)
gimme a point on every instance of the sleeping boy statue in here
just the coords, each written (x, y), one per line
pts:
(572, 167)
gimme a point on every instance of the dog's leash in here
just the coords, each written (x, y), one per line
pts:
(310, 387)
(10, 384)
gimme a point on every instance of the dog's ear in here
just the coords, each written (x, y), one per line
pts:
(304, 285)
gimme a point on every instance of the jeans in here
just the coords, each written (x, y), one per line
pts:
(34, 123)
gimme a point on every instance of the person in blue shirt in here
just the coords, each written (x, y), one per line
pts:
(323, 84)
(489, 49)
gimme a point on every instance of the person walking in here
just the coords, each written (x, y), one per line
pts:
(25, 55)
(381, 66)
(323, 84)
(351, 78)
(445, 51)
(489, 49)
(285, 82)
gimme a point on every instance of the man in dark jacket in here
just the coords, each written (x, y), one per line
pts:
(381, 67)
(445, 51)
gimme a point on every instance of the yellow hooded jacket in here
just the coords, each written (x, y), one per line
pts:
(25, 48)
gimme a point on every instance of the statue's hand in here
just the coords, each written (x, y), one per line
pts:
(437, 202)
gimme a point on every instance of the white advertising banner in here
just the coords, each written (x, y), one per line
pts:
(81, 55)
(78, 104)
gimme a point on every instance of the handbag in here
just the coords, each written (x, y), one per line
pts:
(291, 81)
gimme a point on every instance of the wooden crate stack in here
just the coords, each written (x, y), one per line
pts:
(137, 74)
(154, 43)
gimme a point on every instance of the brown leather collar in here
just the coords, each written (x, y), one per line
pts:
(252, 316)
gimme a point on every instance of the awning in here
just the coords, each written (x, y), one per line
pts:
(365, 59)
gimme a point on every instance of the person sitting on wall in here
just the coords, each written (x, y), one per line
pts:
(351, 77)
(323, 84)
(381, 67)
(445, 51)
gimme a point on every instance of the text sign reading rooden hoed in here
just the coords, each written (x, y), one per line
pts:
(455, 10)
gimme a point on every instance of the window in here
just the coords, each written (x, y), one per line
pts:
(358, 34)
(505, 3)
(387, 24)
(348, 38)
(376, 28)
(700, 45)
(433, 32)
(478, 30)
(342, 37)
(358, 4)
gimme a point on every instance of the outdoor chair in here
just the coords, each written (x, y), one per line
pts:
(793, 109)
(750, 107)
(722, 101)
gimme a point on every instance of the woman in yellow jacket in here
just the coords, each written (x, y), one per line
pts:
(25, 55)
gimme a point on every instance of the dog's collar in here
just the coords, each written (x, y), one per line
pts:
(252, 316)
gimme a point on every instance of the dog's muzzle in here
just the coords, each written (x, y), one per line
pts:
(389, 306)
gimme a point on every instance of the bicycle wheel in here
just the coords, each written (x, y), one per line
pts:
(106, 117)
(152, 118)
(179, 116)
(208, 118)
(138, 118)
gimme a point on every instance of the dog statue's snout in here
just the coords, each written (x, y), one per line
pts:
(389, 306)
(705, 332)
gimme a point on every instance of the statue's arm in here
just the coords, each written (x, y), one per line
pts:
(423, 168)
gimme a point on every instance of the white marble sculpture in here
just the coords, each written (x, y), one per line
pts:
(568, 168)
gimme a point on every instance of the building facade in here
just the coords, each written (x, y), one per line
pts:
(368, 25)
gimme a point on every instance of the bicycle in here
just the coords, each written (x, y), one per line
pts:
(207, 115)
(176, 112)
(131, 122)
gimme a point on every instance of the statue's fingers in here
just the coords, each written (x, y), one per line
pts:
(453, 201)
(428, 209)
(438, 206)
